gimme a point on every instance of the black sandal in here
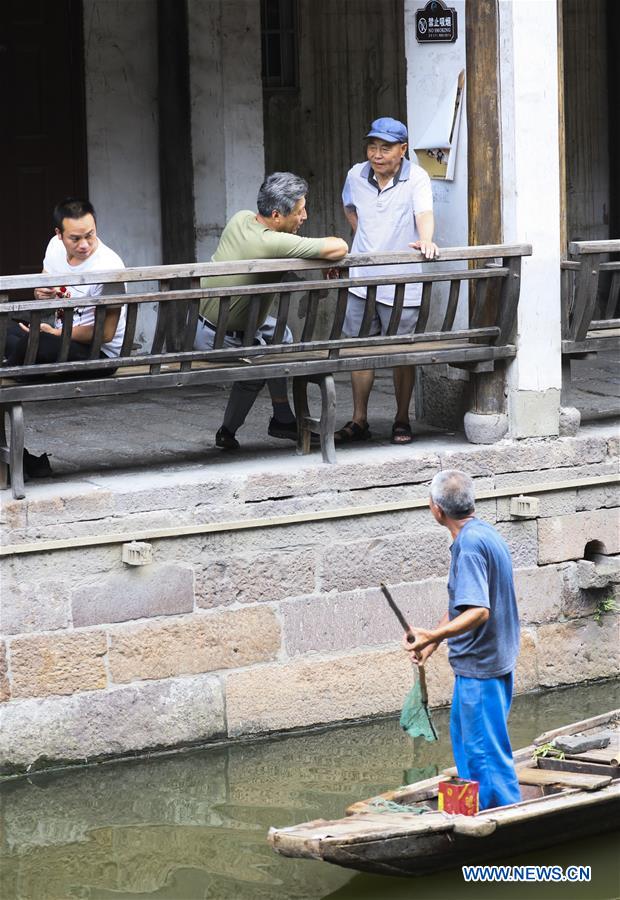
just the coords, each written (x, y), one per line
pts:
(351, 433)
(401, 433)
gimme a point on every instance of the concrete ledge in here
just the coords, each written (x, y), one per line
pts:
(528, 455)
(251, 485)
(289, 617)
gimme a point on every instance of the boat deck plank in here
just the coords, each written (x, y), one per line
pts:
(530, 775)
(587, 766)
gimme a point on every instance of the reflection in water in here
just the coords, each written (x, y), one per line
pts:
(193, 825)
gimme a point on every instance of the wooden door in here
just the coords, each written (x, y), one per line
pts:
(348, 69)
(341, 65)
(43, 141)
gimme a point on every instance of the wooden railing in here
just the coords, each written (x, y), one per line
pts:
(171, 361)
(590, 303)
(177, 314)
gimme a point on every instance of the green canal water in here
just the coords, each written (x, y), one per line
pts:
(194, 825)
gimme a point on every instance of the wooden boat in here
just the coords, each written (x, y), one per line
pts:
(563, 798)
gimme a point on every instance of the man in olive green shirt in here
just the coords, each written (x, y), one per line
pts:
(270, 233)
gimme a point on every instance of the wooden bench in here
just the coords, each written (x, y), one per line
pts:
(171, 362)
(585, 293)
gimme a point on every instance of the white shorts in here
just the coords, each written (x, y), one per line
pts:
(381, 320)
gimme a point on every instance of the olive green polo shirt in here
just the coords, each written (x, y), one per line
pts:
(245, 238)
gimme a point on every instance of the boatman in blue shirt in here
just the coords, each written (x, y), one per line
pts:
(482, 630)
(389, 204)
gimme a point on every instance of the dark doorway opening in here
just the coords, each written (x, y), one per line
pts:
(591, 68)
(42, 107)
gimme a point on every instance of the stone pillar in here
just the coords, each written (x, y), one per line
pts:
(530, 182)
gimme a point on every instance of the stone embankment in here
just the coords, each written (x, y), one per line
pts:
(247, 630)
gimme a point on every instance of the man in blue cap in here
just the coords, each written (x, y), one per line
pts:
(389, 204)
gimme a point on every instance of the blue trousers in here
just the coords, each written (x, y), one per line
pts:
(479, 734)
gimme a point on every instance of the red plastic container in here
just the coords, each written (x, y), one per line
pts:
(458, 796)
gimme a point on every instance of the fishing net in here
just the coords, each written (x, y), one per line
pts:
(380, 804)
(415, 718)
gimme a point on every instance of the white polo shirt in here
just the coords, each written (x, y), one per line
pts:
(386, 221)
(103, 259)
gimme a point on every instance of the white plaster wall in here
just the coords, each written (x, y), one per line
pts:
(120, 60)
(431, 71)
(207, 111)
(120, 53)
(531, 200)
(227, 113)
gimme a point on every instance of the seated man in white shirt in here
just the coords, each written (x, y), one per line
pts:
(74, 250)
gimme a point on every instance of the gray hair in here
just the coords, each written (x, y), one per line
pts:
(453, 491)
(280, 191)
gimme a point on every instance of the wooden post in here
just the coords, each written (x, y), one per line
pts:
(484, 179)
(564, 237)
(483, 140)
(176, 173)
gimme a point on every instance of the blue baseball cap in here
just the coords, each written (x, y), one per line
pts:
(390, 130)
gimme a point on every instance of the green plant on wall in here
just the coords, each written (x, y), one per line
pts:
(605, 605)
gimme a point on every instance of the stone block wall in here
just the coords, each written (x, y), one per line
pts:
(244, 632)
